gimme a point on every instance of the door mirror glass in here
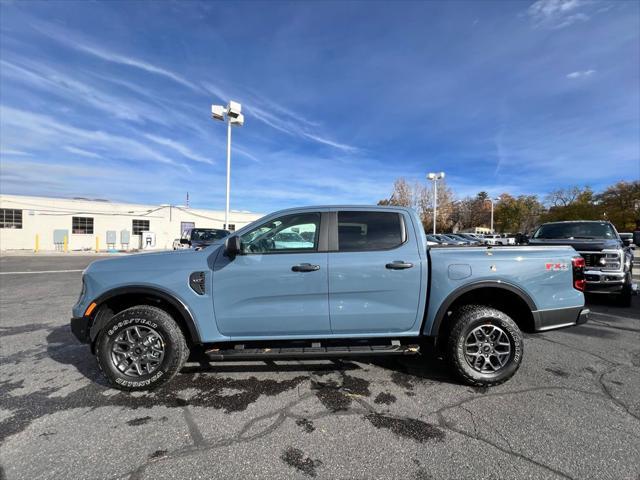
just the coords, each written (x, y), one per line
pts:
(627, 241)
(184, 241)
(232, 246)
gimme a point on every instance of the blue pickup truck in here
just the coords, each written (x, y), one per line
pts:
(323, 282)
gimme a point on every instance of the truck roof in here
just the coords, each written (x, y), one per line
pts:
(343, 207)
(578, 221)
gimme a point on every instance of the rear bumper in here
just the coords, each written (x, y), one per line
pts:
(80, 328)
(559, 318)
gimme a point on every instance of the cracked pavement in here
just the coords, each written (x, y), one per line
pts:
(572, 410)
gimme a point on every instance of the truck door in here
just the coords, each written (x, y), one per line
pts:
(278, 287)
(375, 274)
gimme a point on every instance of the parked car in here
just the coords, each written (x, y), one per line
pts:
(453, 240)
(289, 240)
(177, 245)
(608, 258)
(201, 237)
(462, 238)
(368, 285)
(627, 237)
(470, 238)
(432, 241)
(498, 240)
(444, 240)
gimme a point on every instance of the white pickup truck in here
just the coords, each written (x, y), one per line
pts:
(499, 240)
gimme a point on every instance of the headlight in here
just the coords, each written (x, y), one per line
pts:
(610, 261)
(83, 290)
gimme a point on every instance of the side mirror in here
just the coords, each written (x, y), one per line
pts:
(627, 241)
(184, 241)
(636, 238)
(232, 246)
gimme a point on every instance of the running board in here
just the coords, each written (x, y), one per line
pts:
(304, 353)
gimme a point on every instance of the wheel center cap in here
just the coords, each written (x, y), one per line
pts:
(138, 350)
(486, 348)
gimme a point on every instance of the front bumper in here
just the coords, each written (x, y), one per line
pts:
(560, 317)
(80, 328)
(604, 282)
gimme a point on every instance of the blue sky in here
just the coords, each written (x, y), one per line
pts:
(112, 99)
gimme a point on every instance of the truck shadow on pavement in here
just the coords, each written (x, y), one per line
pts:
(63, 348)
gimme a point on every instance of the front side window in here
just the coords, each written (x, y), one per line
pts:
(366, 231)
(288, 234)
(82, 225)
(140, 226)
(10, 218)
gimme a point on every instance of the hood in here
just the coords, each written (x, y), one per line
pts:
(172, 259)
(581, 245)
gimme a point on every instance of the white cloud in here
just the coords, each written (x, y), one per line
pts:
(35, 131)
(580, 74)
(8, 151)
(70, 39)
(81, 152)
(179, 147)
(556, 14)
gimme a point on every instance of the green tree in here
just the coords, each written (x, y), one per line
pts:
(620, 203)
(519, 214)
(572, 204)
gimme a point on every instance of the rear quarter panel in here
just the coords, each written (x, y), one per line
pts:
(523, 267)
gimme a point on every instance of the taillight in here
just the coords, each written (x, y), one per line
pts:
(578, 273)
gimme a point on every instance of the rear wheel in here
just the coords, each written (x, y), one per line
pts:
(485, 346)
(141, 348)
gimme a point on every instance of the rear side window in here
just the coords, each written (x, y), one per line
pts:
(366, 231)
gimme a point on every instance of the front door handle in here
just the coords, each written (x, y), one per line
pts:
(305, 267)
(398, 265)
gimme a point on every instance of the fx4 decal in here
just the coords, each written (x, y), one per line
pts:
(556, 267)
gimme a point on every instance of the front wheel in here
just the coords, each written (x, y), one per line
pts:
(141, 348)
(485, 346)
(624, 297)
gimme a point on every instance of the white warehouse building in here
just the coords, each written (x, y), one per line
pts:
(89, 223)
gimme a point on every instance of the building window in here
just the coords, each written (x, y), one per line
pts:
(82, 225)
(10, 218)
(232, 227)
(140, 226)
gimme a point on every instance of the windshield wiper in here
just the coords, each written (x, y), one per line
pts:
(580, 238)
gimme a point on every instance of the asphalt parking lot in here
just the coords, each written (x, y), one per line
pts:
(572, 411)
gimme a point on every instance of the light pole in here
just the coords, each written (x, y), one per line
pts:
(234, 117)
(492, 200)
(435, 177)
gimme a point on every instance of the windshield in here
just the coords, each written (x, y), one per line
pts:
(577, 230)
(208, 235)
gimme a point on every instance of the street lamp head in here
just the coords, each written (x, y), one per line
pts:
(441, 175)
(217, 112)
(237, 121)
(431, 176)
(234, 109)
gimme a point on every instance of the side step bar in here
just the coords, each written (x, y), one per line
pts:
(292, 353)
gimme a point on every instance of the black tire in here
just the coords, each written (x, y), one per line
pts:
(624, 298)
(162, 328)
(467, 320)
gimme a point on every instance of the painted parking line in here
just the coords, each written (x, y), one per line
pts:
(39, 271)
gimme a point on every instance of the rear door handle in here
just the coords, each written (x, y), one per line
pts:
(305, 267)
(399, 265)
